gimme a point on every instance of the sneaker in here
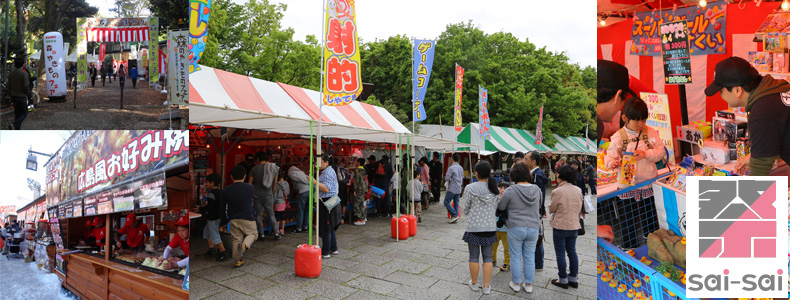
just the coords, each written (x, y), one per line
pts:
(297, 231)
(261, 237)
(335, 252)
(278, 237)
(358, 223)
(455, 220)
(223, 256)
(505, 268)
(515, 287)
(326, 256)
(305, 228)
(527, 288)
(239, 264)
(211, 252)
(486, 290)
(474, 287)
(419, 220)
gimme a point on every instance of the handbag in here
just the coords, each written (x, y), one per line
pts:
(581, 230)
(587, 205)
(426, 188)
(332, 202)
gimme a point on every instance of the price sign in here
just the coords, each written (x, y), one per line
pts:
(675, 45)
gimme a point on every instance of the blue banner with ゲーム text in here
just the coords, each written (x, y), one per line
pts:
(706, 28)
(421, 74)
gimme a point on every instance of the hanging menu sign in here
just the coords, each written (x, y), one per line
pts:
(675, 46)
(78, 208)
(69, 210)
(150, 192)
(104, 204)
(90, 205)
(62, 211)
(54, 227)
(123, 197)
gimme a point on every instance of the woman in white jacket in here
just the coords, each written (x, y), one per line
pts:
(647, 147)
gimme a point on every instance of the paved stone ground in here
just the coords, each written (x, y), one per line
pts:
(372, 265)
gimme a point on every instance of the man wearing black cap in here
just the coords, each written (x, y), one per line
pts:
(248, 163)
(612, 91)
(768, 103)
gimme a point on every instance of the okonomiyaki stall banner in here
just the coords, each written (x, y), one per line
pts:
(706, 29)
(100, 159)
(52, 185)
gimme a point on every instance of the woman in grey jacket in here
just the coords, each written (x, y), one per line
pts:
(480, 203)
(522, 200)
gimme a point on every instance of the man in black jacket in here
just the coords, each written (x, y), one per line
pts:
(590, 174)
(767, 101)
(436, 175)
(211, 209)
(382, 174)
(236, 199)
(532, 161)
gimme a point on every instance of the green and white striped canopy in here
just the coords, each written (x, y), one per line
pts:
(512, 140)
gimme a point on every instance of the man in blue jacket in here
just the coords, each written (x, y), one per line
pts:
(532, 161)
(133, 74)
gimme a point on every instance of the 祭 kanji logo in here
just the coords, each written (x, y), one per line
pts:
(737, 238)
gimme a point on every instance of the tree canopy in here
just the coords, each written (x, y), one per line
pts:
(520, 77)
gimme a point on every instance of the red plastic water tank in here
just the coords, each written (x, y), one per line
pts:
(307, 260)
(412, 224)
(400, 228)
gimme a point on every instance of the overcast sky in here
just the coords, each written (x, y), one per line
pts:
(14, 146)
(560, 26)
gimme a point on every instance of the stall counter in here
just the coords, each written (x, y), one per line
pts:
(612, 187)
(95, 278)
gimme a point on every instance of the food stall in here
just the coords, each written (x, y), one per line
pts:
(112, 174)
(38, 245)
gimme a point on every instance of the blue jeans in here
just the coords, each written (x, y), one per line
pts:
(565, 240)
(522, 241)
(454, 198)
(539, 252)
(329, 241)
(302, 214)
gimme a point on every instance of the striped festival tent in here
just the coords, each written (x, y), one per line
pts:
(221, 98)
(512, 140)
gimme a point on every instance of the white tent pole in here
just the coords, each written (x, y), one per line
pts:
(411, 159)
(320, 106)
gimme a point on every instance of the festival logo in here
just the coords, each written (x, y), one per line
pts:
(737, 239)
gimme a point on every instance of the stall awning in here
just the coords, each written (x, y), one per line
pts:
(512, 140)
(225, 99)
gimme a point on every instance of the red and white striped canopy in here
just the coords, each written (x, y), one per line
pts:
(221, 98)
(118, 34)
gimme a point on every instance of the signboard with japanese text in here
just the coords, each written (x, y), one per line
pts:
(151, 192)
(82, 53)
(52, 181)
(459, 84)
(689, 134)
(104, 203)
(485, 122)
(421, 68)
(90, 205)
(178, 77)
(55, 64)
(342, 74)
(98, 159)
(677, 62)
(77, 208)
(199, 11)
(153, 45)
(658, 118)
(123, 197)
(707, 27)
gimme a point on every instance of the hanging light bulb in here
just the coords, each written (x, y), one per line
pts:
(602, 20)
(239, 146)
(785, 5)
(208, 146)
(703, 3)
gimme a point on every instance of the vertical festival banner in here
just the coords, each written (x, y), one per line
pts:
(153, 44)
(55, 63)
(342, 81)
(422, 64)
(102, 50)
(485, 122)
(459, 84)
(539, 130)
(198, 31)
(178, 90)
(82, 52)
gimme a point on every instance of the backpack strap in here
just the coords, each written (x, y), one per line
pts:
(627, 141)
